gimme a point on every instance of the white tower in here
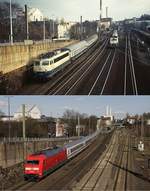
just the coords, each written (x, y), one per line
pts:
(101, 9)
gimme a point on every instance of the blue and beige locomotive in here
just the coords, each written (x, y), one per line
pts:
(46, 65)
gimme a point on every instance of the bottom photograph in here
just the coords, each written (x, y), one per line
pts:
(75, 143)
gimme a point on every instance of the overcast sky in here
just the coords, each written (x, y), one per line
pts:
(89, 9)
(95, 105)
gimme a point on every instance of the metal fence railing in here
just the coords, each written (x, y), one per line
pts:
(31, 42)
(20, 139)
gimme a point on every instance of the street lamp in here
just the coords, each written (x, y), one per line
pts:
(11, 29)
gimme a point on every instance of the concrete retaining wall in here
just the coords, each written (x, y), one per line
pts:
(14, 152)
(18, 56)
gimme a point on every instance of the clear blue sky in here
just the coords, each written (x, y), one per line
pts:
(96, 105)
(89, 9)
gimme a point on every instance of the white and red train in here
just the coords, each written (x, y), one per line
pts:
(42, 163)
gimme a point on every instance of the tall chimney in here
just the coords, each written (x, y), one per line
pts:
(81, 28)
(26, 21)
(107, 110)
(110, 111)
(101, 9)
(106, 12)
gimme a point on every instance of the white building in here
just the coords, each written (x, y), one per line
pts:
(30, 112)
(64, 29)
(34, 14)
(60, 128)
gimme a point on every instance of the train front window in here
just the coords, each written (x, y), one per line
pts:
(36, 63)
(45, 63)
(33, 162)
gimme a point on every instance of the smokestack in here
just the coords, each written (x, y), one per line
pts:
(106, 12)
(81, 28)
(26, 21)
(110, 111)
(107, 110)
(101, 9)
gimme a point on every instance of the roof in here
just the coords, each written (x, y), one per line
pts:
(106, 19)
(71, 144)
(48, 152)
(51, 54)
(77, 46)
(46, 55)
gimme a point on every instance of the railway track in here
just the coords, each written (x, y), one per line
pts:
(101, 165)
(98, 88)
(121, 176)
(107, 173)
(130, 81)
(102, 84)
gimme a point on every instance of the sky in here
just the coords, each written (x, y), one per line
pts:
(72, 9)
(91, 105)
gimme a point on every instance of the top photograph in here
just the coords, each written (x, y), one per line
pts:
(68, 47)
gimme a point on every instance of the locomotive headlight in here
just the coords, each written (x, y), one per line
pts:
(27, 168)
(35, 168)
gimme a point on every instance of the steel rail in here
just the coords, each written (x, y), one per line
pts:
(132, 69)
(127, 164)
(108, 74)
(86, 71)
(110, 148)
(119, 169)
(101, 71)
(125, 67)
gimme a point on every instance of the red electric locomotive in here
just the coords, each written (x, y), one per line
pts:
(42, 163)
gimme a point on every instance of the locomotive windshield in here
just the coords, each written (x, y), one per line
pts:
(45, 63)
(33, 162)
(36, 63)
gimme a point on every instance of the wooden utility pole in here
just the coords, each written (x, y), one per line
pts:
(27, 22)
(23, 122)
(142, 127)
